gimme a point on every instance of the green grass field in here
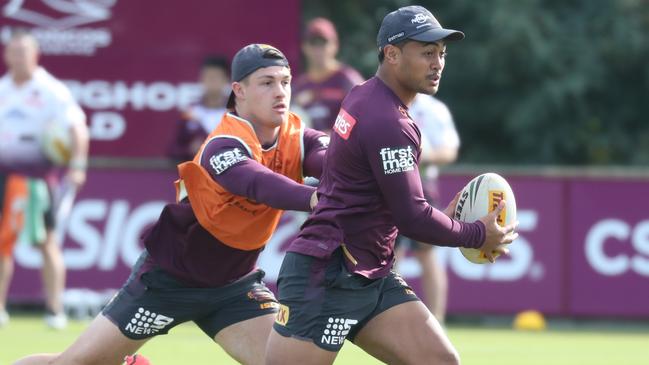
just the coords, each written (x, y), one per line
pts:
(565, 345)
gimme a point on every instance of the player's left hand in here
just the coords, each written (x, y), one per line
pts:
(450, 209)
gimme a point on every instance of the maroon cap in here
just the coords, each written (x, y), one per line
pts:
(321, 28)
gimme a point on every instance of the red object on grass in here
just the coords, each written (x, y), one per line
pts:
(136, 360)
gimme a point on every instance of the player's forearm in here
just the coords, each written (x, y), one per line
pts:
(315, 146)
(417, 219)
(430, 225)
(312, 165)
(260, 184)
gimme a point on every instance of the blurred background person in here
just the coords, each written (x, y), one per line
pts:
(13, 196)
(201, 117)
(34, 106)
(439, 144)
(320, 90)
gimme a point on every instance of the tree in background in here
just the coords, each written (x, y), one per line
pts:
(535, 81)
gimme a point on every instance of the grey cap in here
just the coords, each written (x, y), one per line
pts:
(413, 22)
(251, 58)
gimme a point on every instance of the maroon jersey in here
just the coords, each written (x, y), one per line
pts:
(321, 100)
(181, 246)
(371, 188)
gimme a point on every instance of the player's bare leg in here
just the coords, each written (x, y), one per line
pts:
(246, 341)
(53, 273)
(434, 281)
(287, 350)
(6, 272)
(407, 334)
(101, 343)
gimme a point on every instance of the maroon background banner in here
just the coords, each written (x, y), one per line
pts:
(531, 276)
(102, 235)
(583, 246)
(133, 64)
(608, 248)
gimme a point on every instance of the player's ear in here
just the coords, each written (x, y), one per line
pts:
(392, 53)
(239, 90)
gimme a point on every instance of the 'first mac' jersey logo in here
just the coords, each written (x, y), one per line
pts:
(344, 124)
(227, 159)
(397, 159)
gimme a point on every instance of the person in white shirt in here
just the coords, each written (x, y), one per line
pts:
(440, 143)
(201, 117)
(34, 105)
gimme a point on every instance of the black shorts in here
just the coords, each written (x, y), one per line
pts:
(153, 302)
(321, 301)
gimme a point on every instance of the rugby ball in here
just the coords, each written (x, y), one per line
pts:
(480, 197)
(57, 143)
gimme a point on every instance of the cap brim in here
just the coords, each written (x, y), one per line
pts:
(230, 104)
(436, 34)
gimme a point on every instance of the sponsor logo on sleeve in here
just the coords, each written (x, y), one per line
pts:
(227, 159)
(344, 124)
(324, 141)
(397, 159)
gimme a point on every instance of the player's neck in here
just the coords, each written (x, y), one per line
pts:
(321, 72)
(406, 95)
(20, 78)
(266, 135)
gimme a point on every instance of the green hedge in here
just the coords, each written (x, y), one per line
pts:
(535, 81)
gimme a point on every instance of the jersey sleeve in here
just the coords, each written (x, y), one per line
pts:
(391, 148)
(315, 147)
(231, 165)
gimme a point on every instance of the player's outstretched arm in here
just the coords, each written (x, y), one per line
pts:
(315, 145)
(392, 155)
(230, 165)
